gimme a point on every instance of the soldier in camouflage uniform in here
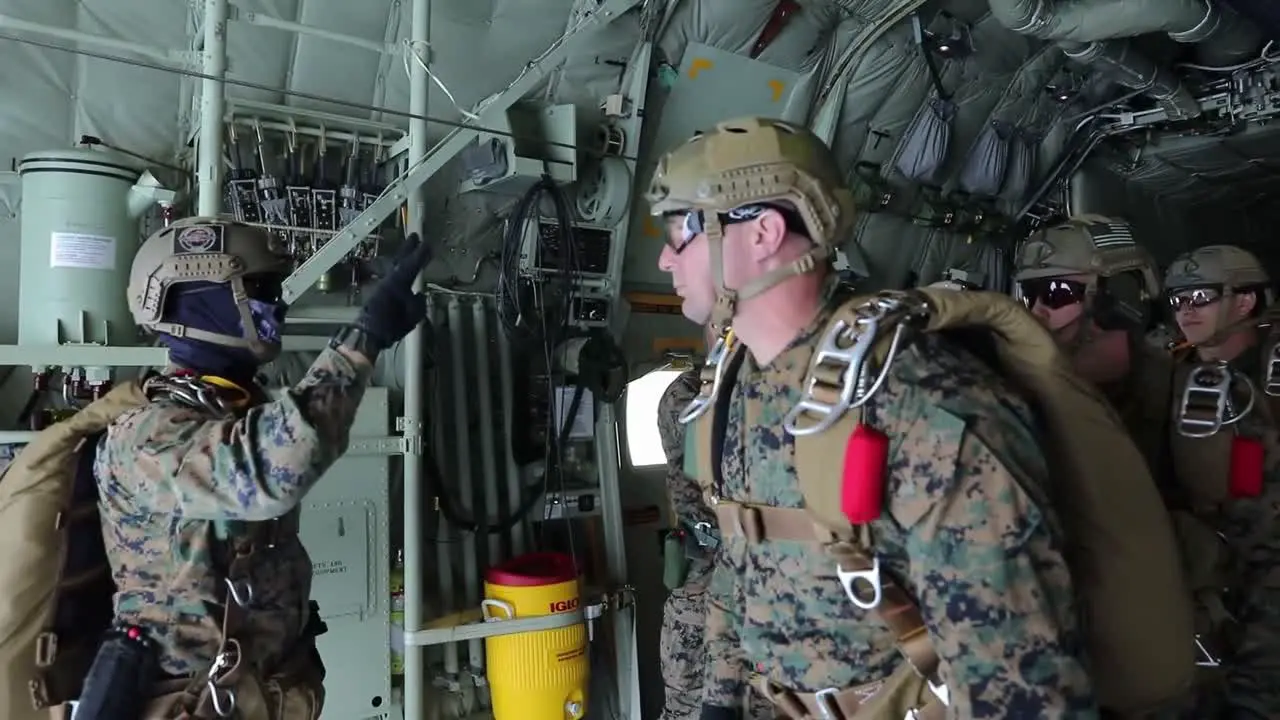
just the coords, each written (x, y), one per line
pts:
(753, 210)
(1091, 285)
(684, 615)
(1219, 296)
(201, 487)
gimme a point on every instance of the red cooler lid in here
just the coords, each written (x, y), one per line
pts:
(533, 569)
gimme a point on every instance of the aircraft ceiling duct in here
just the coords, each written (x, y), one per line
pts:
(1223, 37)
(1124, 64)
(1097, 32)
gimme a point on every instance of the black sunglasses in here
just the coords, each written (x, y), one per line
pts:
(1053, 293)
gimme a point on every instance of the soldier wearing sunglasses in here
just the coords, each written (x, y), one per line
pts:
(1217, 295)
(1091, 285)
(1225, 454)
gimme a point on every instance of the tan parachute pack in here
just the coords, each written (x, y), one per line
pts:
(57, 598)
(1121, 544)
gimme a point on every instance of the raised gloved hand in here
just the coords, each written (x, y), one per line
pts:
(392, 310)
(716, 712)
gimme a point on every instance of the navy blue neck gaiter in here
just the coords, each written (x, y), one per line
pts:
(210, 307)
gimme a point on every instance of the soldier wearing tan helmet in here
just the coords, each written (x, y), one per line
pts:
(753, 210)
(1217, 295)
(201, 485)
(1227, 464)
(1090, 284)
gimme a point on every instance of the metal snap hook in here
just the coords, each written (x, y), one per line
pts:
(828, 704)
(241, 593)
(224, 701)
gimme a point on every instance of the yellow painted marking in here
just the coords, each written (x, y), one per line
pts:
(777, 87)
(697, 66)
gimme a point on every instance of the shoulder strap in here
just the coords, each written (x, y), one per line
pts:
(707, 448)
(856, 346)
(854, 351)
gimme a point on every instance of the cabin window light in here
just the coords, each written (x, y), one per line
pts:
(644, 444)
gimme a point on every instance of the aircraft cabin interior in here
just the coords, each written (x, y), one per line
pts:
(518, 136)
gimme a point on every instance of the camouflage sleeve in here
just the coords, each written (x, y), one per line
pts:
(685, 494)
(1253, 671)
(175, 460)
(725, 682)
(986, 562)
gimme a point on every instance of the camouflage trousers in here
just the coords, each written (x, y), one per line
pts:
(682, 652)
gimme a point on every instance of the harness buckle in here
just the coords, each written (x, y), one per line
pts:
(702, 401)
(1271, 383)
(827, 704)
(1206, 400)
(842, 353)
(939, 691)
(849, 581)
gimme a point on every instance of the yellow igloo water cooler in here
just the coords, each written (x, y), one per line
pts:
(540, 675)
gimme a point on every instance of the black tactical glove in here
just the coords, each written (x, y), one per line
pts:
(715, 712)
(392, 309)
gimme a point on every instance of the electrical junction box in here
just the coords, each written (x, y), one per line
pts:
(527, 143)
(541, 254)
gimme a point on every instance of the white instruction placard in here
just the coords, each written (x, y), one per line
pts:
(87, 252)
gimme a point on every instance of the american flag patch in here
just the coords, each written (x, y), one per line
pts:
(1108, 235)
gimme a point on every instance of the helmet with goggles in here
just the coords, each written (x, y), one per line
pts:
(1087, 245)
(1202, 276)
(1092, 260)
(250, 260)
(737, 171)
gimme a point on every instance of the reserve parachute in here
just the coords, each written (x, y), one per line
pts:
(1122, 549)
(57, 586)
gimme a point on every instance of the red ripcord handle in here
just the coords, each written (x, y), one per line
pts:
(1248, 467)
(862, 482)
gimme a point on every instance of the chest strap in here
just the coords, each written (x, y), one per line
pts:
(900, 695)
(859, 573)
(762, 522)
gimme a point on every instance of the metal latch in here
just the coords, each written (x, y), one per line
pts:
(1271, 381)
(841, 368)
(716, 361)
(849, 580)
(1206, 400)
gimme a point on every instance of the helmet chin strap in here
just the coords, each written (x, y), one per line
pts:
(263, 352)
(727, 298)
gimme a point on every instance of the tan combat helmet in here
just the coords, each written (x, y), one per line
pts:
(202, 249)
(1086, 245)
(1226, 268)
(1096, 247)
(755, 161)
